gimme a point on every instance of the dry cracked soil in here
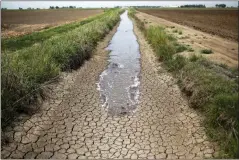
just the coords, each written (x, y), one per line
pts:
(72, 124)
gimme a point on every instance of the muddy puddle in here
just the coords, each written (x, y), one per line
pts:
(119, 83)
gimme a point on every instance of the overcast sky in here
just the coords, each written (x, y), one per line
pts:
(92, 4)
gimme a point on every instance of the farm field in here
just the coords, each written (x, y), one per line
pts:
(221, 22)
(16, 22)
(225, 51)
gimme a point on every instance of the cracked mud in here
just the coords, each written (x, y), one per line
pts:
(73, 124)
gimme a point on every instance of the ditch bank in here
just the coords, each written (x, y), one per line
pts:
(211, 89)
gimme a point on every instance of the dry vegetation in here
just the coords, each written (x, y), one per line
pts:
(222, 22)
(19, 22)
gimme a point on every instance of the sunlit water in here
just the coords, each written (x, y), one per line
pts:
(118, 84)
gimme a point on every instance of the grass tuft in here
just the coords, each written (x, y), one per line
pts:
(190, 50)
(175, 31)
(206, 51)
(180, 47)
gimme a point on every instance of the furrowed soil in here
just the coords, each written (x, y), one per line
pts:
(225, 51)
(15, 23)
(221, 22)
(73, 124)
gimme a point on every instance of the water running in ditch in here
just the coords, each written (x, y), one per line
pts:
(119, 83)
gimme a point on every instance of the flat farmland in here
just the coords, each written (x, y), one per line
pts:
(221, 22)
(19, 22)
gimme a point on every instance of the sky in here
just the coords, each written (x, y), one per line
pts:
(96, 4)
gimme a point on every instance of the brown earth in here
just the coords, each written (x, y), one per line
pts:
(224, 51)
(220, 22)
(16, 22)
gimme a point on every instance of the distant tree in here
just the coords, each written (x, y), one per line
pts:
(72, 6)
(193, 6)
(220, 6)
(4, 8)
(52, 7)
(38, 8)
(146, 6)
(57, 7)
(20, 8)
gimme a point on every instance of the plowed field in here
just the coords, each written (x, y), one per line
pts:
(221, 22)
(16, 22)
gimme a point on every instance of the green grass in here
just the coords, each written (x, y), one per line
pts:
(206, 51)
(212, 89)
(179, 47)
(25, 71)
(16, 43)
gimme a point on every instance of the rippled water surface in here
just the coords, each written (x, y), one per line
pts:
(119, 83)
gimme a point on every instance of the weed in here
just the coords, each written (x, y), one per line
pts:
(223, 65)
(184, 37)
(175, 31)
(190, 50)
(180, 47)
(161, 42)
(176, 63)
(193, 58)
(180, 32)
(206, 51)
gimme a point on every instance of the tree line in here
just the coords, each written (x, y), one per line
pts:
(56, 7)
(193, 6)
(220, 6)
(146, 6)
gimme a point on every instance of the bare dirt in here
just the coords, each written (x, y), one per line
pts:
(73, 124)
(221, 22)
(224, 51)
(15, 22)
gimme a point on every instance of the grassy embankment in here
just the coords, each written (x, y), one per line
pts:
(16, 43)
(25, 71)
(211, 88)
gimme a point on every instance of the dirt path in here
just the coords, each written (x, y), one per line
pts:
(72, 123)
(224, 51)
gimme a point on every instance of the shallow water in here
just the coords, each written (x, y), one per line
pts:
(119, 83)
